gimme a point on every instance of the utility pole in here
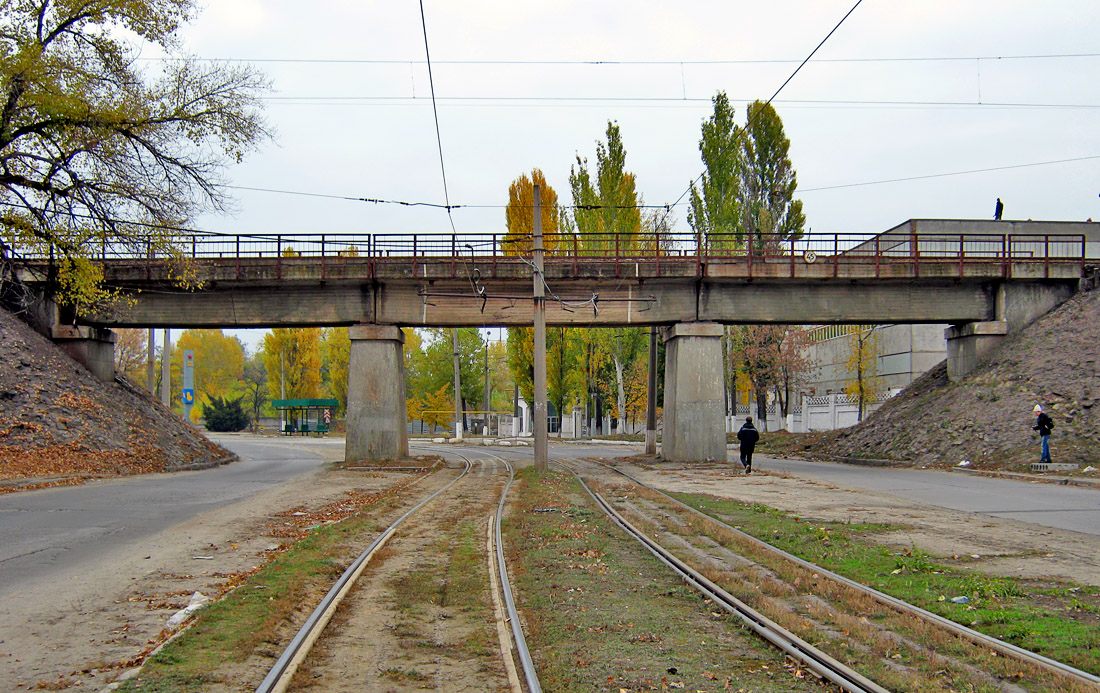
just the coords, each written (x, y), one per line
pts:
(166, 370)
(651, 396)
(458, 387)
(487, 387)
(282, 384)
(151, 363)
(540, 340)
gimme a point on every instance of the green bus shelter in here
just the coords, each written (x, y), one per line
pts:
(305, 416)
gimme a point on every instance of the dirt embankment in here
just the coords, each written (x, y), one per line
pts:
(987, 417)
(57, 419)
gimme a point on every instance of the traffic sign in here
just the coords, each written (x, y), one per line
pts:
(188, 396)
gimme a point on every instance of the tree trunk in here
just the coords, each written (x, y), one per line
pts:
(762, 409)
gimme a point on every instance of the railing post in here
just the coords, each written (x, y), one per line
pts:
(962, 253)
(751, 243)
(792, 257)
(616, 255)
(878, 254)
(1005, 250)
(914, 248)
(836, 254)
(575, 253)
(414, 256)
(193, 256)
(1046, 256)
(238, 255)
(657, 249)
(322, 256)
(454, 253)
(278, 257)
(494, 256)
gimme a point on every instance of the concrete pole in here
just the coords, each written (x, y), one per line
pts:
(166, 370)
(282, 386)
(539, 409)
(651, 397)
(151, 363)
(487, 393)
(458, 387)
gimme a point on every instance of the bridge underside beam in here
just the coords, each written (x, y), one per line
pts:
(376, 394)
(613, 303)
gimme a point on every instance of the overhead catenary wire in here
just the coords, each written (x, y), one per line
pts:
(334, 100)
(785, 83)
(435, 114)
(612, 62)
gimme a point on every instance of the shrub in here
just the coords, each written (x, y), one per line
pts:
(225, 415)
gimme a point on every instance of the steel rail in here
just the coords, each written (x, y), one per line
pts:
(278, 678)
(1007, 649)
(522, 652)
(821, 663)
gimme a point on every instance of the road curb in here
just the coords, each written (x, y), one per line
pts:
(1016, 476)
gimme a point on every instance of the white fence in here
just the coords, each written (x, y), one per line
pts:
(821, 413)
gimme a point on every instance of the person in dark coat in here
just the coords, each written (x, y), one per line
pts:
(1043, 424)
(748, 435)
(998, 210)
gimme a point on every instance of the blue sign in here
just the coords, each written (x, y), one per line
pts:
(188, 396)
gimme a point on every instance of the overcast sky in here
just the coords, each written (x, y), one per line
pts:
(901, 90)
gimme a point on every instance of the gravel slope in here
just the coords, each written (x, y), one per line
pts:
(987, 418)
(57, 419)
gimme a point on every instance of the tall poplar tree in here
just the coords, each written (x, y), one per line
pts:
(770, 213)
(292, 357)
(715, 213)
(608, 206)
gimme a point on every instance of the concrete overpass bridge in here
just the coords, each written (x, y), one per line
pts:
(924, 271)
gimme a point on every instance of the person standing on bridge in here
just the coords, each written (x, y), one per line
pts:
(1043, 424)
(748, 435)
(998, 210)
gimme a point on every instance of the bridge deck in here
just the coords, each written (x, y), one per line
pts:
(480, 280)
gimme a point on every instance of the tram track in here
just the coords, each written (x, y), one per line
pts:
(1061, 676)
(316, 646)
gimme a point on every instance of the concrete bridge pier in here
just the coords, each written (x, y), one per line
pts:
(1015, 306)
(91, 347)
(694, 411)
(376, 394)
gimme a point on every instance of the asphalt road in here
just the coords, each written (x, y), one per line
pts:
(52, 532)
(1049, 505)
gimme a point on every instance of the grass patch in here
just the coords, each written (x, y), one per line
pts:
(600, 613)
(1060, 623)
(255, 616)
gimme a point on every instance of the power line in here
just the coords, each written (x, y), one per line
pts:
(435, 114)
(642, 63)
(661, 206)
(944, 175)
(749, 123)
(335, 100)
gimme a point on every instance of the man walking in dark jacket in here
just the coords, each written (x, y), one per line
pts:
(748, 435)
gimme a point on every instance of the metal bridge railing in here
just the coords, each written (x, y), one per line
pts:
(838, 249)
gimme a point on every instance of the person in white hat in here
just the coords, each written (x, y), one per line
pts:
(1043, 424)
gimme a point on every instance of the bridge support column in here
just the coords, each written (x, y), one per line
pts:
(376, 394)
(694, 424)
(1015, 307)
(91, 347)
(970, 344)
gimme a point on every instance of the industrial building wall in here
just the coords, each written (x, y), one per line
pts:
(906, 352)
